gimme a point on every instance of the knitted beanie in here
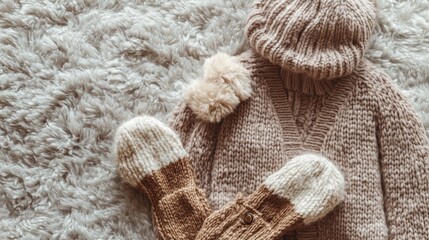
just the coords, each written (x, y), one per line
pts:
(324, 39)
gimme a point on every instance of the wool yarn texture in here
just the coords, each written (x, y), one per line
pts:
(73, 71)
(151, 158)
(311, 91)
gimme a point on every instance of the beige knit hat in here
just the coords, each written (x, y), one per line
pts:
(324, 39)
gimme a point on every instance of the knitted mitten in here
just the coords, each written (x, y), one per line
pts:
(151, 157)
(304, 190)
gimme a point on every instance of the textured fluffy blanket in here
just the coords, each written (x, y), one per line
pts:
(72, 70)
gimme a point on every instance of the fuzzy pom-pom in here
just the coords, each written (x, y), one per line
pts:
(225, 84)
(211, 101)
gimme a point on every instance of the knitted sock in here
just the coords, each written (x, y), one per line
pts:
(151, 157)
(303, 191)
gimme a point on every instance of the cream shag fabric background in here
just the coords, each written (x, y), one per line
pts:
(73, 70)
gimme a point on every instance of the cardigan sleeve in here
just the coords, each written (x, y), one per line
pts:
(404, 162)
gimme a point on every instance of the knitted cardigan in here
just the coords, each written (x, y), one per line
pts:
(252, 113)
(305, 87)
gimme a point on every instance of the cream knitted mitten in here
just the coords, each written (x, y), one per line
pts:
(304, 190)
(151, 157)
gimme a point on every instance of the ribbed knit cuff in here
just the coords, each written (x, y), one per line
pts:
(262, 215)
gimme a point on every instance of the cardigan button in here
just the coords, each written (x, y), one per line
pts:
(247, 218)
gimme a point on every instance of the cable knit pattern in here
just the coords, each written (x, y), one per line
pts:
(364, 126)
(294, 33)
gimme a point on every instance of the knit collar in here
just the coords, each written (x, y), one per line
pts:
(301, 83)
(270, 76)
